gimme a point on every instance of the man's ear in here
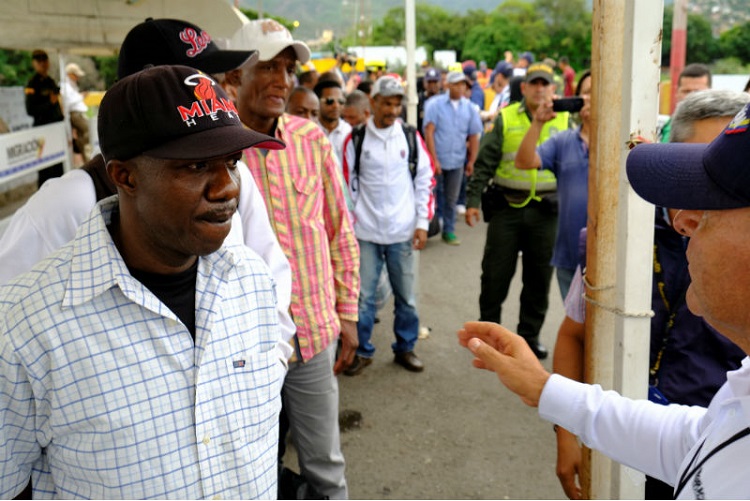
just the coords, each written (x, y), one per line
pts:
(122, 175)
(233, 77)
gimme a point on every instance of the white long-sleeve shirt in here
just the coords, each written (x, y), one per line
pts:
(666, 442)
(50, 218)
(388, 204)
(72, 98)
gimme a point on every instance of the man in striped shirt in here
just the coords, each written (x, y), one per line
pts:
(304, 193)
(144, 359)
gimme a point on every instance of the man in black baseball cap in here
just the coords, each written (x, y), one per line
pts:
(151, 310)
(51, 217)
(171, 41)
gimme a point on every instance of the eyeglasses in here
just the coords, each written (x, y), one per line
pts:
(329, 101)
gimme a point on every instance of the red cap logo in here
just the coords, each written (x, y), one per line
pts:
(197, 41)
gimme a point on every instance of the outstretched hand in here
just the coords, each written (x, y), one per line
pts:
(508, 355)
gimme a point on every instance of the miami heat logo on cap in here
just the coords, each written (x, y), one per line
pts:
(207, 104)
(204, 86)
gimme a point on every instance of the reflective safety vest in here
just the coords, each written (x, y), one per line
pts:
(515, 125)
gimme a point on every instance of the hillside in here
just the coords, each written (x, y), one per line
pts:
(340, 15)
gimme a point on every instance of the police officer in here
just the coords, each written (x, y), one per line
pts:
(43, 103)
(521, 209)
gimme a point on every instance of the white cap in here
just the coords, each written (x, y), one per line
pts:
(74, 69)
(387, 86)
(269, 38)
(457, 77)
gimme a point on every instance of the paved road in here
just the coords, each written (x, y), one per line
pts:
(451, 432)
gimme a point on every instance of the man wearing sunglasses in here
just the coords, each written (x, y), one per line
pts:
(332, 102)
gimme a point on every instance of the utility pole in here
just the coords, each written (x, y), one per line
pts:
(626, 57)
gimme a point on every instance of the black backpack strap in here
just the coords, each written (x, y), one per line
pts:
(358, 137)
(411, 140)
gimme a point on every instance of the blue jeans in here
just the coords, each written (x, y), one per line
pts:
(399, 259)
(448, 188)
(462, 193)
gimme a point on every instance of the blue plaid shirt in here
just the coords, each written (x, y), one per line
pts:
(103, 387)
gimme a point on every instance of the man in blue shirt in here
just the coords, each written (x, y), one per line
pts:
(450, 120)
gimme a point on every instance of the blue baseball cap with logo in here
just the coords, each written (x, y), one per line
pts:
(712, 176)
(432, 75)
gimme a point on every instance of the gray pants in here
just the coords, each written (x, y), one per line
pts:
(311, 400)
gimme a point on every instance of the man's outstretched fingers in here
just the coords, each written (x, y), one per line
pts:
(486, 356)
(508, 355)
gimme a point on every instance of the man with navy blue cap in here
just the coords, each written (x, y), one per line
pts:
(702, 452)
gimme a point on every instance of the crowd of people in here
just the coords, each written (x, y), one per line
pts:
(173, 309)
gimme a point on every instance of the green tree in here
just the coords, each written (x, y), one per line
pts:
(253, 14)
(702, 47)
(568, 24)
(436, 28)
(735, 42)
(106, 66)
(514, 25)
(15, 67)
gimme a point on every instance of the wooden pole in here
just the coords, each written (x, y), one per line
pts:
(626, 54)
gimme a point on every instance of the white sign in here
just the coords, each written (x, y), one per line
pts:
(32, 149)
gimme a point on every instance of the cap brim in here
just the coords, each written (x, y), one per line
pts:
(221, 61)
(301, 50)
(673, 175)
(214, 143)
(538, 74)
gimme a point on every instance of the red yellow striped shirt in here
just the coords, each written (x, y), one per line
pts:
(303, 190)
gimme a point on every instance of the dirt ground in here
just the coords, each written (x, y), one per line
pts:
(452, 431)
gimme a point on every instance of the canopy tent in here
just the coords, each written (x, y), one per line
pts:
(97, 27)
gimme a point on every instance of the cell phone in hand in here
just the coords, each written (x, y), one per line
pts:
(569, 104)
